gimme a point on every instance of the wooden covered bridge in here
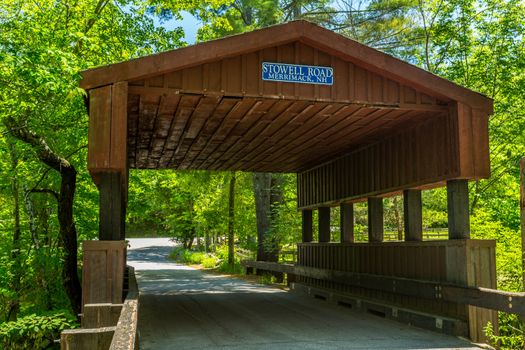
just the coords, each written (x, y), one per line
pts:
(353, 123)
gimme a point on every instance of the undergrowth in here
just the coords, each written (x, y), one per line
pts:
(35, 331)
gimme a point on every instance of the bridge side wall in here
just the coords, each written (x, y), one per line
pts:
(463, 262)
(449, 146)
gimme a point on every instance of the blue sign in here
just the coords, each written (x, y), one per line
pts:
(296, 73)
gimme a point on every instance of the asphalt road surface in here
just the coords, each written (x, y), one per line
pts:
(184, 308)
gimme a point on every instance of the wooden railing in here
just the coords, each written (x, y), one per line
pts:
(105, 325)
(482, 297)
(125, 337)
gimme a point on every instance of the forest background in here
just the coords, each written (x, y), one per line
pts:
(48, 203)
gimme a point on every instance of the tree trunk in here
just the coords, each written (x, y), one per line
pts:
(276, 201)
(522, 215)
(32, 217)
(261, 190)
(399, 221)
(268, 196)
(207, 241)
(231, 217)
(66, 195)
(14, 305)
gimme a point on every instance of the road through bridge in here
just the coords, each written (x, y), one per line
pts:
(185, 308)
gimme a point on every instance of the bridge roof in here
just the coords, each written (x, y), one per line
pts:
(207, 107)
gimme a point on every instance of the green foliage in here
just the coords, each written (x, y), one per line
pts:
(209, 262)
(267, 279)
(510, 333)
(217, 259)
(35, 331)
(235, 269)
(187, 256)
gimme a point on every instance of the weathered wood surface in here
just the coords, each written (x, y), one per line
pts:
(108, 131)
(461, 262)
(86, 338)
(323, 216)
(413, 215)
(375, 219)
(217, 113)
(458, 209)
(347, 222)
(112, 206)
(418, 156)
(307, 226)
(301, 32)
(126, 337)
(511, 302)
(100, 315)
(103, 271)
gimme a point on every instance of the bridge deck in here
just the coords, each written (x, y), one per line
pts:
(184, 308)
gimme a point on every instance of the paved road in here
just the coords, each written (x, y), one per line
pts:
(184, 308)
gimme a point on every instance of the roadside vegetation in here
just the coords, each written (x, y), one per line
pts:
(49, 204)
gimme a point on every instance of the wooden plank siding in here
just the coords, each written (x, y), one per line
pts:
(103, 271)
(426, 153)
(108, 130)
(238, 76)
(461, 262)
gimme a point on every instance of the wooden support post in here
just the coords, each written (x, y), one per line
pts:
(458, 209)
(112, 206)
(347, 222)
(307, 225)
(375, 219)
(103, 272)
(522, 216)
(324, 224)
(413, 215)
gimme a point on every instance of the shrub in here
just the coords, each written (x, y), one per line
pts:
(187, 256)
(236, 268)
(209, 262)
(34, 332)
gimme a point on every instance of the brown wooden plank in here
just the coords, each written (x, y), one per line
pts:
(163, 129)
(184, 110)
(99, 136)
(202, 112)
(221, 140)
(133, 114)
(303, 152)
(196, 153)
(305, 124)
(246, 131)
(119, 127)
(285, 117)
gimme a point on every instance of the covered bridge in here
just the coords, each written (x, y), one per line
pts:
(353, 123)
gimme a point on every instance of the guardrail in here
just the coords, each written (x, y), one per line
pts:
(107, 326)
(125, 337)
(493, 299)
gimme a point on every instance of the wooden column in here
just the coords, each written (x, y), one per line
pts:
(458, 210)
(413, 215)
(347, 222)
(307, 225)
(324, 224)
(375, 219)
(112, 206)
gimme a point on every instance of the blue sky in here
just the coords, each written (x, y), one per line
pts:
(189, 23)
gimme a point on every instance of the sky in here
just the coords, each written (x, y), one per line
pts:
(189, 23)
